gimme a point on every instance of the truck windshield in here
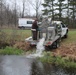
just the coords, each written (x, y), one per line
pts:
(63, 25)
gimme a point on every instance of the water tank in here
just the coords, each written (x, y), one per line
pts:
(51, 33)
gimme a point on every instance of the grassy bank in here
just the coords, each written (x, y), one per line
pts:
(11, 51)
(9, 37)
(16, 38)
(58, 61)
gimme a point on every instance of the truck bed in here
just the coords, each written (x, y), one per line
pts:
(47, 42)
(50, 42)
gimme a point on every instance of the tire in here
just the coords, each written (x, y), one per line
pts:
(66, 35)
(56, 44)
(23, 28)
(48, 48)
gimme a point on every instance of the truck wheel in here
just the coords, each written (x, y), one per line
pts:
(56, 44)
(48, 48)
(66, 35)
(23, 28)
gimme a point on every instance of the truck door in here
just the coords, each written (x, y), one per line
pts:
(64, 29)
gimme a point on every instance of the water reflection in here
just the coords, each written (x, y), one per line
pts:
(20, 65)
(47, 69)
(37, 68)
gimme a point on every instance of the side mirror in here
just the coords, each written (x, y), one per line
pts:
(66, 25)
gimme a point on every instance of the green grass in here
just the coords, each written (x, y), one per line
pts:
(26, 33)
(11, 35)
(71, 37)
(11, 51)
(22, 33)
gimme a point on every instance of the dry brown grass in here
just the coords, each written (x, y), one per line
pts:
(22, 45)
(66, 50)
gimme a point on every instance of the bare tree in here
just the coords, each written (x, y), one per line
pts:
(23, 4)
(15, 13)
(25, 8)
(1, 10)
(36, 6)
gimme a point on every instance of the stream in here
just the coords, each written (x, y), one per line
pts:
(20, 65)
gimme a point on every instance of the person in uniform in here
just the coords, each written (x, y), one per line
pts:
(34, 30)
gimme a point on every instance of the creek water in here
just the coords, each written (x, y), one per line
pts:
(20, 65)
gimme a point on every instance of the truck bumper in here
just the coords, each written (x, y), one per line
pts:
(31, 41)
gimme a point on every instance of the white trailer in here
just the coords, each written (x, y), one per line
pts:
(25, 23)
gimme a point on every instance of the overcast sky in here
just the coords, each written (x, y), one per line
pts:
(28, 9)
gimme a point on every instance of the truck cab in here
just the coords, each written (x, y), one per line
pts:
(64, 28)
